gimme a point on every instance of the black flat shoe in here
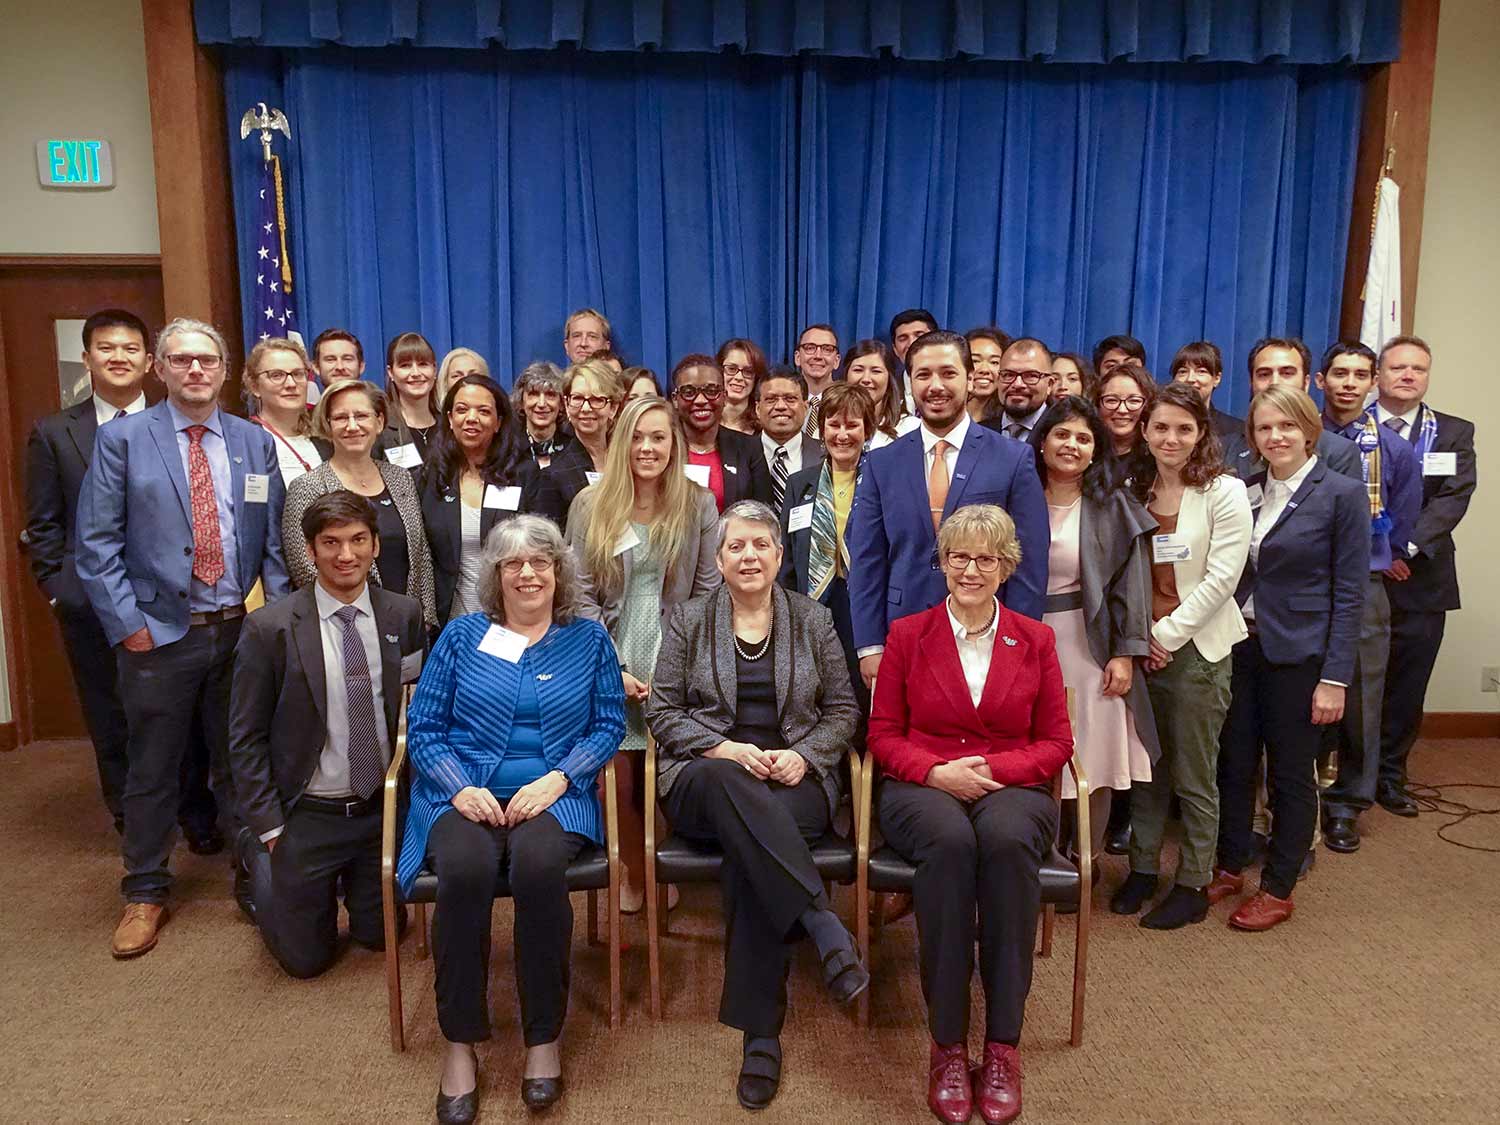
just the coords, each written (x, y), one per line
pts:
(1117, 840)
(541, 1093)
(1182, 907)
(460, 1109)
(760, 1074)
(1341, 834)
(1394, 799)
(843, 975)
(1133, 894)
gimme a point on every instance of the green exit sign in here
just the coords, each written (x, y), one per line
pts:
(63, 162)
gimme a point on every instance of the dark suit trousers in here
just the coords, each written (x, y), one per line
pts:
(1270, 706)
(295, 888)
(1415, 641)
(978, 868)
(768, 878)
(164, 691)
(1357, 738)
(92, 661)
(468, 858)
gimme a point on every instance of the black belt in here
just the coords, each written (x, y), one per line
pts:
(341, 806)
(215, 616)
(1062, 603)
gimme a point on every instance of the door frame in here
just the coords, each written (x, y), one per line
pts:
(18, 731)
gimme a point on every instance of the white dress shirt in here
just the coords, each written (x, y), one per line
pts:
(1275, 496)
(331, 778)
(880, 439)
(1382, 415)
(793, 451)
(975, 650)
(955, 439)
(104, 412)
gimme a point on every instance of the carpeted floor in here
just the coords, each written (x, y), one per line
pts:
(1379, 1001)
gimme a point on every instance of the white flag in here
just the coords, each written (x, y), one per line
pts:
(1382, 315)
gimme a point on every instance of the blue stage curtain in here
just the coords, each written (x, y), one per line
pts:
(1070, 31)
(477, 197)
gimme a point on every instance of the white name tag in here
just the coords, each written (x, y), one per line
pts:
(1439, 464)
(405, 456)
(593, 478)
(698, 474)
(501, 643)
(411, 667)
(1170, 549)
(800, 518)
(258, 487)
(508, 498)
(1256, 495)
(628, 539)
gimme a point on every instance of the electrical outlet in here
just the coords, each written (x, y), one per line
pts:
(1489, 678)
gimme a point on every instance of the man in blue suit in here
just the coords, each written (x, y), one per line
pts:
(906, 489)
(178, 515)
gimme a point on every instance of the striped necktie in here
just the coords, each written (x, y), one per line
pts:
(779, 474)
(1396, 424)
(366, 764)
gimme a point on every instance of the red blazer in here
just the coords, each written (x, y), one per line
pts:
(922, 715)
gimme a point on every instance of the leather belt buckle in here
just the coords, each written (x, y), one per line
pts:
(353, 808)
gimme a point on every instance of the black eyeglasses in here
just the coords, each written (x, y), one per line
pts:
(710, 391)
(1114, 402)
(1030, 378)
(821, 349)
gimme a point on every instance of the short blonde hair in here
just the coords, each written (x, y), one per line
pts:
(1295, 405)
(986, 527)
(337, 389)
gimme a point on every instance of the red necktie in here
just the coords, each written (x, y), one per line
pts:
(208, 546)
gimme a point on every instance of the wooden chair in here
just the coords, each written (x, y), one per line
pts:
(674, 859)
(596, 869)
(1063, 883)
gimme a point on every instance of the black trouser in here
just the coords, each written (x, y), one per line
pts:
(768, 878)
(978, 867)
(468, 859)
(843, 625)
(1270, 706)
(295, 887)
(164, 692)
(1415, 641)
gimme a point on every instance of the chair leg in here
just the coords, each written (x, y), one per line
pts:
(862, 938)
(616, 1002)
(593, 898)
(662, 913)
(393, 973)
(653, 940)
(421, 931)
(1080, 966)
(1049, 922)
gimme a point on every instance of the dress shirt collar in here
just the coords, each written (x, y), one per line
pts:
(104, 412)
(1344, 429)
(1030, 421)
(1382, 415)
(793, 446)
(328, 605)
(954, 437)
(960, 633)
(1293, 482)
(181, 421)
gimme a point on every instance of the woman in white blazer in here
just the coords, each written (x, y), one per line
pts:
(1198, 552)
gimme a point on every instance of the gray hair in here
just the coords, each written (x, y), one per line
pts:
(527, 535)
(752, 511)
(538, 375)
(180, 326)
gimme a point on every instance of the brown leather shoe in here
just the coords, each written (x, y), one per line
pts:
(888, 908)
(1224, 884)
(948, 1093)
(136, 933)
(997, 1084)
(1261, 911)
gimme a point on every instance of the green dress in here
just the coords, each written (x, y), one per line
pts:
(638, 630)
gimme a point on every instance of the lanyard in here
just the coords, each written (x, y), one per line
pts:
(259, 421)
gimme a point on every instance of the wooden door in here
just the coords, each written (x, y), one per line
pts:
(35, 294)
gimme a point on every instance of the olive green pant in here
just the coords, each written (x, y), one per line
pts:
(1190, 698)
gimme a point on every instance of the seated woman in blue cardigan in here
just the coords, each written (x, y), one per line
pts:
(518, 709)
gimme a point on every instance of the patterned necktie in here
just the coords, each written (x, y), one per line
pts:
(779, 475)
(208, 545)
(1397, 424)
(810, 424)
(366, 765)
(937, 482)
(1017, 430)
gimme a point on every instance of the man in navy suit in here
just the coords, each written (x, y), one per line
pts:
(1277, 361)
(907, 487)
(179, 514)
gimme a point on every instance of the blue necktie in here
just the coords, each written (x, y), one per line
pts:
(366, 763)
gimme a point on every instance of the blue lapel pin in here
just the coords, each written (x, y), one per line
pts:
(391, 637)
(1011, 641)
(545, 676)
(239, 460)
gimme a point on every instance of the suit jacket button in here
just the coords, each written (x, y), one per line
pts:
(182, 593)
(187, 550)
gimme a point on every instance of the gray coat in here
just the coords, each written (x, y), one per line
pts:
(695, 692)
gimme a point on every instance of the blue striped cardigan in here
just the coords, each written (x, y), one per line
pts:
(459, 723)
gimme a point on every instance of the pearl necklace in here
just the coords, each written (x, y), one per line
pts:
(751, 656)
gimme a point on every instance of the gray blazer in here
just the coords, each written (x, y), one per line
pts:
(695, 692)
(692, 573)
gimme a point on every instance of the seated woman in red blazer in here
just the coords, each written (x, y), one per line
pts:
(970, 725)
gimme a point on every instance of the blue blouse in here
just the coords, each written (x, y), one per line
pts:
(522, 761)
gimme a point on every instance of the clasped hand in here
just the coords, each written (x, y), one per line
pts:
(968, 779)
(483, 807)
(783, 766)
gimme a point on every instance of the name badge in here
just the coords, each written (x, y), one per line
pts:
(1170, 549)
(411, 667)
(508, 498)
(593, 478)
(502, 644)
(258, 487)
(1256, 495)
(404, 456)
(628, 539)
(698, 474)
(1439, 464)
(800, 518)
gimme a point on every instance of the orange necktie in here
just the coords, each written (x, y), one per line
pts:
(937, 482)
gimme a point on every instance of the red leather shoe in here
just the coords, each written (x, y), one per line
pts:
(948, 1093)
(997, 1084)
(1224, 884)
(1261, 911)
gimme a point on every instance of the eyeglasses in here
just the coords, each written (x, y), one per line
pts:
(819, 349)
(710, 391)
(279, 378)
(183, 362)
(1114, 402)
(540, 564)
(781, 400)
(1030, 378)
(594, 402)
(362, 418)
(734, 370)
(960, 560)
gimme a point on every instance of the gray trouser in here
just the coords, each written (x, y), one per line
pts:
(1190, 698)
(1357, 738)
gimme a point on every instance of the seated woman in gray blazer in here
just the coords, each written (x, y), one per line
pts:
(753, 711)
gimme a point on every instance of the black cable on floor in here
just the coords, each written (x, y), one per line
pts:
(1433, 799)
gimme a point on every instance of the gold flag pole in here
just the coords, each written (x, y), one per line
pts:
(267, 121)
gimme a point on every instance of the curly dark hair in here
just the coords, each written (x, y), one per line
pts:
(1205, 462)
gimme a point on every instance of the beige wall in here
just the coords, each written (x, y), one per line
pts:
(75, 68)
(1456, 313)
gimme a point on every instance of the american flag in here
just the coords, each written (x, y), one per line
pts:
(274, 314)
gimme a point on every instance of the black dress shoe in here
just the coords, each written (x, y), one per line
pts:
(540, 1093)
(760, 1073)
(1183, 906)
(1395, 799)
(1341, 834)
(843, 975)
(460, 1109)
(209, 841)
(242, 894)
(1133, 893)
(1117, 840)
(1308, 861)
